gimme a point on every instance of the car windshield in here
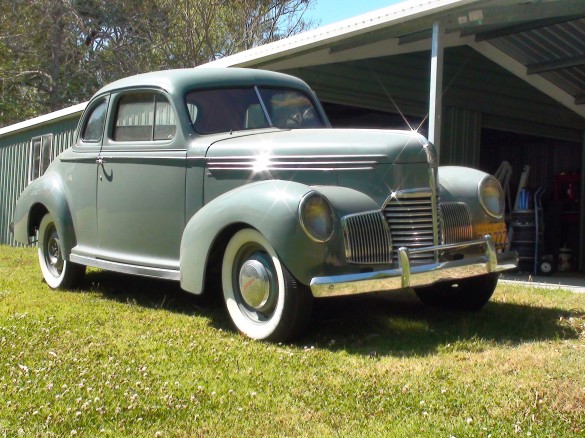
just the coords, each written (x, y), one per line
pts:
(235, 109)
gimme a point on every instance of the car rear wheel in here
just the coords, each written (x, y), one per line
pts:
(468, 294)
(263, 299)
(57, 272)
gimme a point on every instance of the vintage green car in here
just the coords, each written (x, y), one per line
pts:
(236, 173)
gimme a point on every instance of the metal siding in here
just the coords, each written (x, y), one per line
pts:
(13, 168)
(14, 163)
(546, 157)
(461, 137)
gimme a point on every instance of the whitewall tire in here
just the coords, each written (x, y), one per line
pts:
(263, 300)
(57, 272)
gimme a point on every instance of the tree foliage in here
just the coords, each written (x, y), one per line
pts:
(55, 53)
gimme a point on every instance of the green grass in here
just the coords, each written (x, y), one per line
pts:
(129, 356)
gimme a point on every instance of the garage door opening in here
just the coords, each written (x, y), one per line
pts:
(554, 179)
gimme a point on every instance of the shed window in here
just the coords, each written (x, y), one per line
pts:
(41, 155)
(144, 117)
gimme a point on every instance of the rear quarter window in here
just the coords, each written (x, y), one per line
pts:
(94, 125)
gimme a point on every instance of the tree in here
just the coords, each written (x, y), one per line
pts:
(55, 53)
(203, 30)
(42, 70)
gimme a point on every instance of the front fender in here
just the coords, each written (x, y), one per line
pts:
(45, 194)
(461, 184)
(271, 207)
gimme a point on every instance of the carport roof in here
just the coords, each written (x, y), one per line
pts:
(542, 42)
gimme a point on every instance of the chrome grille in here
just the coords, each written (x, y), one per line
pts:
(456, 221)
(411, 218)
(367, 238)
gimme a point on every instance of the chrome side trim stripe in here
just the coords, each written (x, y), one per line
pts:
(308, 158)
(269, 168)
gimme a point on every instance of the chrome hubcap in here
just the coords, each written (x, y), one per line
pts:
(254, 282)
(53, 253)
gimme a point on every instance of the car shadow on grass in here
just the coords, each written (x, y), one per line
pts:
(395, 324)
(154, 293)
(398, 324)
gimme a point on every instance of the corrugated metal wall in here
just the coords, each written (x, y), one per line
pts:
(546, 157)
(461, 137)
(14, 164)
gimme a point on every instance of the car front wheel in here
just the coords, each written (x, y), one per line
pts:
(263, 299)
(468, 294)
(57, 272)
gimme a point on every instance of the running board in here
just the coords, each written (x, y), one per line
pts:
(166, 274)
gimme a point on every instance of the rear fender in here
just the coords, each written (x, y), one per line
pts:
(45, 194)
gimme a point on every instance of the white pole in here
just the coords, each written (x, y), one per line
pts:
(436, 91)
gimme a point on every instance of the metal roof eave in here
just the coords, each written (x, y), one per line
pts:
(44, 119)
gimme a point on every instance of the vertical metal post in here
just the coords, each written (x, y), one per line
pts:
(436, 90)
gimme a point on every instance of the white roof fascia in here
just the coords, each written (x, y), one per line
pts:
(46, 118)
(395, 14)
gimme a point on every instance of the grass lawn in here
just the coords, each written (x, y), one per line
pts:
(129, 356)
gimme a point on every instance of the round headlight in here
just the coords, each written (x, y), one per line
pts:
(316, 217)
(491, 196)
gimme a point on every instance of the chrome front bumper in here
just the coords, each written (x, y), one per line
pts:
(420, 275)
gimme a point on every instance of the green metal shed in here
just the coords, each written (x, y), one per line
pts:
(26, 149)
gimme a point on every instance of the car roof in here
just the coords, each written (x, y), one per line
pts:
(183, 80)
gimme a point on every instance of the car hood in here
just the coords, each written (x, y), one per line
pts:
(324, 147)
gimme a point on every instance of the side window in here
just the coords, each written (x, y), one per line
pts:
(144, 117)
(94, 125)
(41, 149)
(164, 119)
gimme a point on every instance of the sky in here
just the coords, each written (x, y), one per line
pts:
(328, 11)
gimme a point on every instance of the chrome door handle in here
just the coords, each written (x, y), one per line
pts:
(100, 160)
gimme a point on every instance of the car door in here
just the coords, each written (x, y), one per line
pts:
(81, 176)
(141, 182)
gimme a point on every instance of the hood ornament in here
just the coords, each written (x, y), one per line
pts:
(431, 154)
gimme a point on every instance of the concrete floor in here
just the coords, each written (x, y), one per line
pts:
(573, 281)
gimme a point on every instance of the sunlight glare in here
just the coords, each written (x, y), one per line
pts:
(262, 162)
